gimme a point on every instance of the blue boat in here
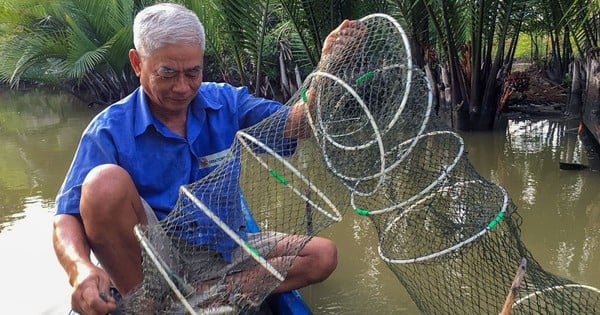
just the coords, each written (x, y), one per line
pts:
(288, 303)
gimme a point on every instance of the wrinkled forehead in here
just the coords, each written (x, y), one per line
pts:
(189, 49)
(177, 57)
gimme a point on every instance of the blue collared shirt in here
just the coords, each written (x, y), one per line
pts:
(158, 160)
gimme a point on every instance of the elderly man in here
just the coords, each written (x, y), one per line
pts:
(134, 156)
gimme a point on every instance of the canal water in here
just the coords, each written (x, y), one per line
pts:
(560, 209)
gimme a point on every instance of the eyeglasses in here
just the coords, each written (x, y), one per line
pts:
(165, 74)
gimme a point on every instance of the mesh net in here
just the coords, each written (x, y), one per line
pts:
(210, 245)
(450, 236)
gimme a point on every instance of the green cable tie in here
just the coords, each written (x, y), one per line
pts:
(365, 77)
(496, 220)
(252, 249)
(304, 97)
(280, 178)
(362, 212)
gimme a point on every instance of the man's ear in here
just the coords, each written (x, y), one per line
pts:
(135, 60)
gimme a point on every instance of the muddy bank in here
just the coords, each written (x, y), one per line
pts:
(535, 96)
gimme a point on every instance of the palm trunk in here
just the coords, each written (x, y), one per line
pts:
(492, 91)
(591, 98)
(575, 101)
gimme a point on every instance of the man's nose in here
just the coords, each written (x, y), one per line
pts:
(181, 83)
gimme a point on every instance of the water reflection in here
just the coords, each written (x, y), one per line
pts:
(560, 209)
(362, 283)
(38, 133)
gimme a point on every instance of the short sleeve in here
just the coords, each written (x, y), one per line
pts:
(95, 148)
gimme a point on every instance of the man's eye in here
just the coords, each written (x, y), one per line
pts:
(192, 74)
(166, 73)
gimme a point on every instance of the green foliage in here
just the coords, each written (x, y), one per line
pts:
(84, 43)
(523, 51)
(526, 46)
(246, 26)
(33, 44)
(79, 42)
(582, 17)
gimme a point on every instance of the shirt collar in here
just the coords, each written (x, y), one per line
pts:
(197, 112)
(144, 117)
(203, 100)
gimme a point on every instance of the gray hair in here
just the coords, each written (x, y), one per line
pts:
(166, 23)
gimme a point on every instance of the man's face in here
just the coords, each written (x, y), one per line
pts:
(170, 76)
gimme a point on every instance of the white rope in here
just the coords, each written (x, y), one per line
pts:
(412, 142)
(443, 175)
(502, 213)
(160, 266)
(336, 216)
(234, 236)
(377, 135)
(408, 58)
(558, 287)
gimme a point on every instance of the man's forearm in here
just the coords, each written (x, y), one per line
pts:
(296, 126)
(70, 244)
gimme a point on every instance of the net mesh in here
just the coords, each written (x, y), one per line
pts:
(450, 236)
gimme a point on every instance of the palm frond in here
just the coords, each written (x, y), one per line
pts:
(246, 24)
(88, 62)
(217, 48)
(583, 18)
(32, 54)
(305, 41)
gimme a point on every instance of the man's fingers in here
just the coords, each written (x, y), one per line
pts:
(342, 25)
(100, 302)
(103, 296)
(104, 289)
(92, 299)
(344, 41)
(333, 37)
